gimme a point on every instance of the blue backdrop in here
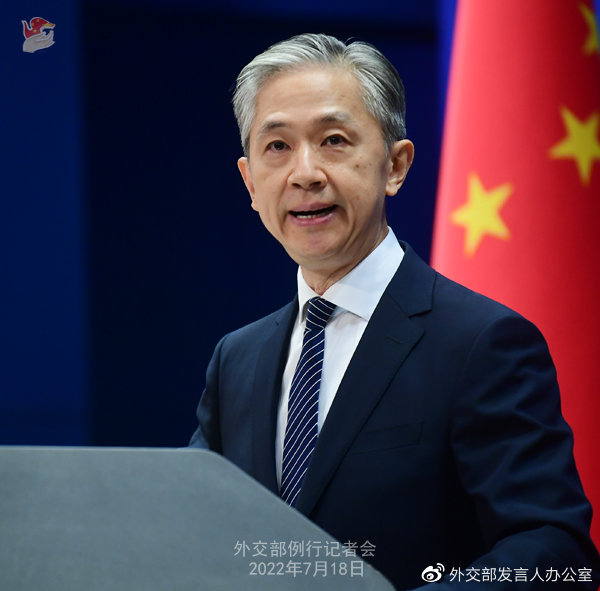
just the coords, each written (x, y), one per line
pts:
(127, 236)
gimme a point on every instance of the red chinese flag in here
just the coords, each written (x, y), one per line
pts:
(518, 208)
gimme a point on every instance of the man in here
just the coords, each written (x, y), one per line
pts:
(397, 407)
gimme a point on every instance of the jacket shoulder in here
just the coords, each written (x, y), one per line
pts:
(419, 282)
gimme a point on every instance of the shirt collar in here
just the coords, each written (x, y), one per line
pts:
(360, 290)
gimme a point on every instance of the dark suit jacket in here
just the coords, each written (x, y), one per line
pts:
(444, 444)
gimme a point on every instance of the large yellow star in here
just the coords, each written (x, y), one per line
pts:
(591, 43)
(581, 143)
(480, 215)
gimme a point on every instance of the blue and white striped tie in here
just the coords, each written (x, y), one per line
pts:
(301, 430)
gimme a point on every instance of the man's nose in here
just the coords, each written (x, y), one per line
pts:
(307, 172)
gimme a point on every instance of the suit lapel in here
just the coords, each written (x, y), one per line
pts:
(388, 339)
(267, 391)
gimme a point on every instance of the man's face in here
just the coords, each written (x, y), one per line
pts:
(317, 170)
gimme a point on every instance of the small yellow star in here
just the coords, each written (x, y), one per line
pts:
(591, 43)
(581, 143)
(480, 215)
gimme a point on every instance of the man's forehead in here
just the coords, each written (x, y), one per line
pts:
(277, 121)
(292, 82)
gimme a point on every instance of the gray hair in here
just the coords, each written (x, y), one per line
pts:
(382, 88)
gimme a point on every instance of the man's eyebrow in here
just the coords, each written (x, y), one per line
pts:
(268, 126)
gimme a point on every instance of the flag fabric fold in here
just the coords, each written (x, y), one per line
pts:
(518, 205)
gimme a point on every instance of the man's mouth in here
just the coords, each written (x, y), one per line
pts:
(315, 213)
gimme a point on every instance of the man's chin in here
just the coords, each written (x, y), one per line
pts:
(317, 258)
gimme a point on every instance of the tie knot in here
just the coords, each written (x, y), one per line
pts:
(318, 313)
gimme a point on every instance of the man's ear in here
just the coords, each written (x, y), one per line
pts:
(244, 168)
(401, 157)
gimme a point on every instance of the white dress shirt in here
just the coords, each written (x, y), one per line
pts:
(356, 296)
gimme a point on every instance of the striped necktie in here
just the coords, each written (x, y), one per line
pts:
(301, 430)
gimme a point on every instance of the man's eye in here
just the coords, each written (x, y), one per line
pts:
(334, 140)
(277, 146)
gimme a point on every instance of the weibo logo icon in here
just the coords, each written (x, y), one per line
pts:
(433, 574)
(38, 34)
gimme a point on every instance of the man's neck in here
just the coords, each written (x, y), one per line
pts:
(320, 279)
(320, 283)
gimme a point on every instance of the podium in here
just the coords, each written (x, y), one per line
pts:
(136, 519)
